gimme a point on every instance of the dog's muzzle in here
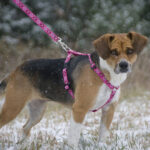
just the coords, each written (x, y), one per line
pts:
(123, 67)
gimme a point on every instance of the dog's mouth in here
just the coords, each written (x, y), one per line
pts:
(123, 67)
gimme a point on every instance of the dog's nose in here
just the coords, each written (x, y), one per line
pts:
(123, 66)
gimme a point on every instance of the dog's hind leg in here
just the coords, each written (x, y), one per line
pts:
(17, 93)
(36, 111)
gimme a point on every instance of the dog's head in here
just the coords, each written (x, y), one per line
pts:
(120, 50)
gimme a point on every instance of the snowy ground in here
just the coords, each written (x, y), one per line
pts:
(130, 129)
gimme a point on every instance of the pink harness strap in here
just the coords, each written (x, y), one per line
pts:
(57, 39)
(65, 76)
(96, 70)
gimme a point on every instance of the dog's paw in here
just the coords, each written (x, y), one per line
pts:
(22, 138)
(101, 145)
(73, 143)
(103, 136)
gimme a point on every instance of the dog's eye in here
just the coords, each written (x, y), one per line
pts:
(114, 52)
(129, 51)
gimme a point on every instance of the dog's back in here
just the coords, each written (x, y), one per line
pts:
(46, 76)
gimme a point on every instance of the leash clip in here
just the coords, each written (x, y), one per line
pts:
(64, 46)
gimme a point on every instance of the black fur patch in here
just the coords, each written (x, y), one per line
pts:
(46, 76)
(3, 85)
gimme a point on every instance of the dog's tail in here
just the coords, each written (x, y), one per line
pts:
(3, 85)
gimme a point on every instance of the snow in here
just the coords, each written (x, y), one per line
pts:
(130, 129)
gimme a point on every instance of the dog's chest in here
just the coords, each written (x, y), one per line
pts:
(104, 92)
(103, 95)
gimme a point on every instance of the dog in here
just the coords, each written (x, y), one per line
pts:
(35, 82)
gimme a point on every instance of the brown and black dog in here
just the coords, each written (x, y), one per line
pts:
(36, 82)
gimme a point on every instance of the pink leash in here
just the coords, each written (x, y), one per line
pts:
(70, 52)
(36, 20)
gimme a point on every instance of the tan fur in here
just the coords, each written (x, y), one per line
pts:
(18, 92)
(138, 41)
(120, 42)
(107, 115)
(86, 91)
(36, 112)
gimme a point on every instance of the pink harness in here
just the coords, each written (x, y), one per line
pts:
(70, 52)
(96, 70)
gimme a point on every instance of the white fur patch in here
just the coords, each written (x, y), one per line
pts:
(115, 79)
(104, 91)
(2, 101)
(103, 95)
(74, 133)
(103, 133)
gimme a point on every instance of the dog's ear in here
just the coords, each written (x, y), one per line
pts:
(138, 41)
(102, 45)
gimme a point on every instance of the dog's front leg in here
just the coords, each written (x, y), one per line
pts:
(106, 119)
(78, 115)
(74, 132)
